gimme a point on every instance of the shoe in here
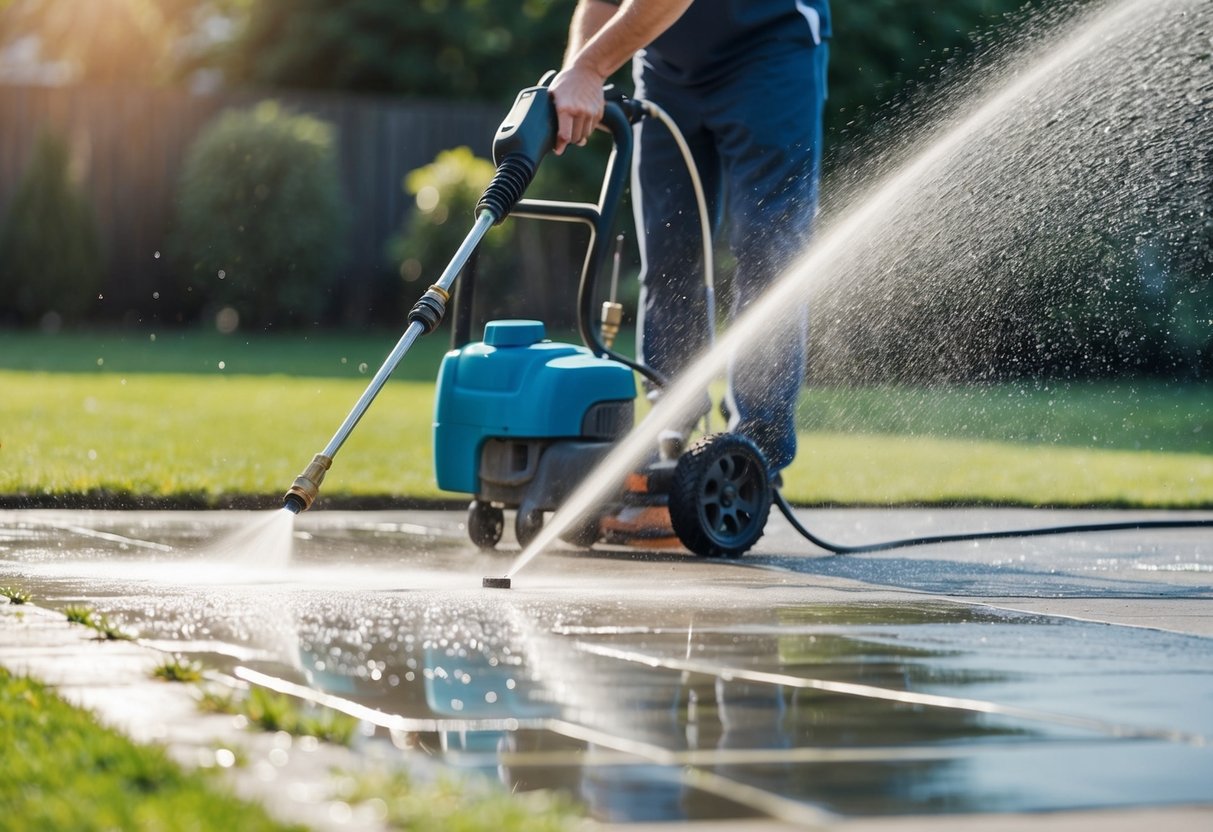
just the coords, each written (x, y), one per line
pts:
(647, 526)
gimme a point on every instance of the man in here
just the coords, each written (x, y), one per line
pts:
(745, 82)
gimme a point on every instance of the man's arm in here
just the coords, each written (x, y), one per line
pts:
(601, 39)
(589, 18)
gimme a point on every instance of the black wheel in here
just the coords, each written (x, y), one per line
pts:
(527, 526)
(720, 496)
(486, 523)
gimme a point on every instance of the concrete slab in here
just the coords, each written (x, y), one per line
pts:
(1055, 682)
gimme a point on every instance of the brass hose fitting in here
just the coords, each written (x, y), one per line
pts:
(306, 488)
(612, 317)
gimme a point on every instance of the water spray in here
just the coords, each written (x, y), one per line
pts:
(522, 140)
(525, 136)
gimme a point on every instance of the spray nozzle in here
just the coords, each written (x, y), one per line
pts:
(306, 488)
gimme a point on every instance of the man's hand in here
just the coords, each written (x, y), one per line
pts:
(602, 37)
(577, 95)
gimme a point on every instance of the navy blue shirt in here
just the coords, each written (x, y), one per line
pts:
(714, 36)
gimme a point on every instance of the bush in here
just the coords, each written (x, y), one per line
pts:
(262, 224)
(446, 192)
(50, 254)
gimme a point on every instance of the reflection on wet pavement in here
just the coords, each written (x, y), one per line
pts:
(654, 688)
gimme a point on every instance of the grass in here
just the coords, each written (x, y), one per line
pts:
(106, 630)
(1121, 416)
(63, 770)
(199, 436)
(455, 804)
(77, 614)
(271, 711)
(177, 670)
(201, 439)
(200, 352)
(14, 595)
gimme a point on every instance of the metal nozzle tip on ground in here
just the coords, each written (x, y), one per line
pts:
(495, 583)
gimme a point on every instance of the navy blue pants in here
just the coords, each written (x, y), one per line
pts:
(756, 140)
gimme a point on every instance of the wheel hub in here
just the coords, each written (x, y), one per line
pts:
(727, 495)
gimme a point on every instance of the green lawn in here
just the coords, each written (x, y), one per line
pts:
(62, 770)
(160, 419)
(302, 353)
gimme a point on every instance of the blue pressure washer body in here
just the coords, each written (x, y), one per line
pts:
(519, 421)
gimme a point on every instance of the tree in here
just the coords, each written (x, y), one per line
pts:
(110, 40)
(433, 48)
(50, 254)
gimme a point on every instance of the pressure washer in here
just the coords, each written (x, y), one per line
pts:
(521, 420)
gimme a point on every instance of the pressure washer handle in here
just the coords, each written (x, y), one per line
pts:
(527, 134)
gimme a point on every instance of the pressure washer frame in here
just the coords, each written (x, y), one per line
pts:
(619, 115)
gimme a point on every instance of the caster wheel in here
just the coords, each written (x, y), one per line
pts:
(720, 496)
(486, 523)
(527, 525)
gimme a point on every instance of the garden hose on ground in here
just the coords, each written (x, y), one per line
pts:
(1083, 528)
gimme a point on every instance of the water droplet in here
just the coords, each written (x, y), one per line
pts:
(156, 255)
(222, 274)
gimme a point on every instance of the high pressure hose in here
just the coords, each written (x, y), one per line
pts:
(1083, 528)
(701, 202)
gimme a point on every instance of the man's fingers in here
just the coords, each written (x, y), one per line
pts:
(564, 131)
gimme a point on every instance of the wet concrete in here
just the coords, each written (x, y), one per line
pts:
(966, 680)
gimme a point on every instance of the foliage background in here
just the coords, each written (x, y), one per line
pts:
(1138, 309)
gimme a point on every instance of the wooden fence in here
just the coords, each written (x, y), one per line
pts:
(131, 143)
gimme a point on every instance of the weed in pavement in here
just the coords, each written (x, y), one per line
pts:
(14, 595)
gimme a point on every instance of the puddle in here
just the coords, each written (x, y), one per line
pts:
(665, 688)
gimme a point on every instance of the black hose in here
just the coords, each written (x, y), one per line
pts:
(838, 549)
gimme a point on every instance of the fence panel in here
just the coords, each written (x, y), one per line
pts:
(130, 142)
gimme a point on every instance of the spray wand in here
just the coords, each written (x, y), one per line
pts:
(523, 139)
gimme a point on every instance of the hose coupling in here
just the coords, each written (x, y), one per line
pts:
(306, 488)
(430, 308)
(611, 319)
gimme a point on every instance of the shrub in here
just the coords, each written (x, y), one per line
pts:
(446, 192)
(261, 224)
(50, 254)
